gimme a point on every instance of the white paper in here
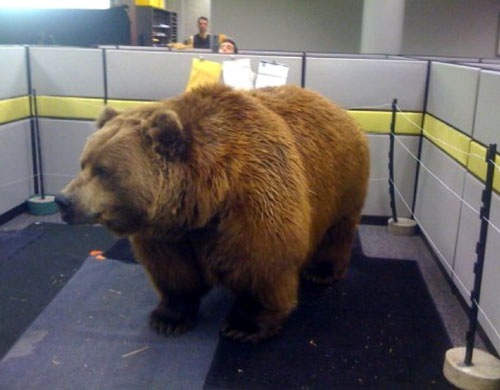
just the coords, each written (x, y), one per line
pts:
(271, 74)
(238, 73)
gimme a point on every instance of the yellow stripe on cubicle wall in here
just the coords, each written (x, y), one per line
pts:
(79, 108)
(14, 109)
(380, 121)
(69, 107)
(477, 164)
(124, 104)
(447, 138)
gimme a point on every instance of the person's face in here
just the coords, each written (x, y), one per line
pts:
(226, 48)
(203, 25)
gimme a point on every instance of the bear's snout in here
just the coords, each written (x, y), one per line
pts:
(65, 207)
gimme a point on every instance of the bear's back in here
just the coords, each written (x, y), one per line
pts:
(333, 149)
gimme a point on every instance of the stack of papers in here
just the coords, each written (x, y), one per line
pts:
(271, 74)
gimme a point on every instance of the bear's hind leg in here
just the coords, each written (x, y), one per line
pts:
(258, 315)
(331, 259)
(178, 282)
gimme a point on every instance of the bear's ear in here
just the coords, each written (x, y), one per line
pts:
(168, 136)
(106, 114)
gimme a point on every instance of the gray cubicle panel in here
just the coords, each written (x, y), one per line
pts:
(143, 48)
(13, 72)
(365, 83)
(67, 71)
(447, 59)
(62, 143)
(437, 209)
(452, 94)
(391, 57)
(378, 201)
(466, 256)
(149, 75)
(16, 170)
(270, 53)
(468, 235)
(483, 65)
(491, 276)
(487, 122)
(346, 55)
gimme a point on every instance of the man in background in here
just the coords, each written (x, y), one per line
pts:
(202, 39)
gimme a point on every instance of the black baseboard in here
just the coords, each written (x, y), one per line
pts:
(480, 331)
(12, 213)
(374, 220)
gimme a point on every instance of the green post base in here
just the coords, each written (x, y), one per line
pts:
(39, 206)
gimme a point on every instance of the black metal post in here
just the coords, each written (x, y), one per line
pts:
(32, 123)
(38, 146)
(421, 137)
(480, 250)
(303, 74)
(105, 76)
(391, 161)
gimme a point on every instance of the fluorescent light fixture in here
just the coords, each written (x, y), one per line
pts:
(99, 4)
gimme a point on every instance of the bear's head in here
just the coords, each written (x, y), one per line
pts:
(132, 172)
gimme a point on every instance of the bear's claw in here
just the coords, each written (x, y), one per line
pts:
(169, 324)
(323, 273)
(248, 337)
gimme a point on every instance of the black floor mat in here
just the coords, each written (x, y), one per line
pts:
(377, 329)
(35, 274)
(13, 241)
(121, 250)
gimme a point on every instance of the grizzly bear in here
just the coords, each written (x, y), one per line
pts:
(245, 189)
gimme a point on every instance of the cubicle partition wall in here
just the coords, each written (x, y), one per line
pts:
(483, 65)
(448, 126)
(486, 130)
(367, 87)
(16, 170)
(69, 83)
(461, 120)
(145, 75)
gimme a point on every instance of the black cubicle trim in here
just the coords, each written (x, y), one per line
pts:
(32, 122)
(105, 76)
(421, 137)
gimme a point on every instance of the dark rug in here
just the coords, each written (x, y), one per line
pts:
(31, 278)
(121, 250)
(377, 329)
(12, 241)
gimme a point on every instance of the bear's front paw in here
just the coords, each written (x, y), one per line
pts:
(244, 329)
(168, 323)
(323, 273)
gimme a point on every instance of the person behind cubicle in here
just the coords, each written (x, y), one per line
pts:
(202, 39)
(228, 46)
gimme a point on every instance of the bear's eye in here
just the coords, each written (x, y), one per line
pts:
(101, 172)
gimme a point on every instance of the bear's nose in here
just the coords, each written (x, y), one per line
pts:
(63, 202)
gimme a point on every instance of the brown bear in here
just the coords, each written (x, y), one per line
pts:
(248, 190)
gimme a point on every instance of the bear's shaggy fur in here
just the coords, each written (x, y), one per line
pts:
(245, 189)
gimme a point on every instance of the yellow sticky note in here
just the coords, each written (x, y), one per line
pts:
(203, 72)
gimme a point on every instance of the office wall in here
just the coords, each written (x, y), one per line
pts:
(320, 25)
(451, 27)
(431, 27)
